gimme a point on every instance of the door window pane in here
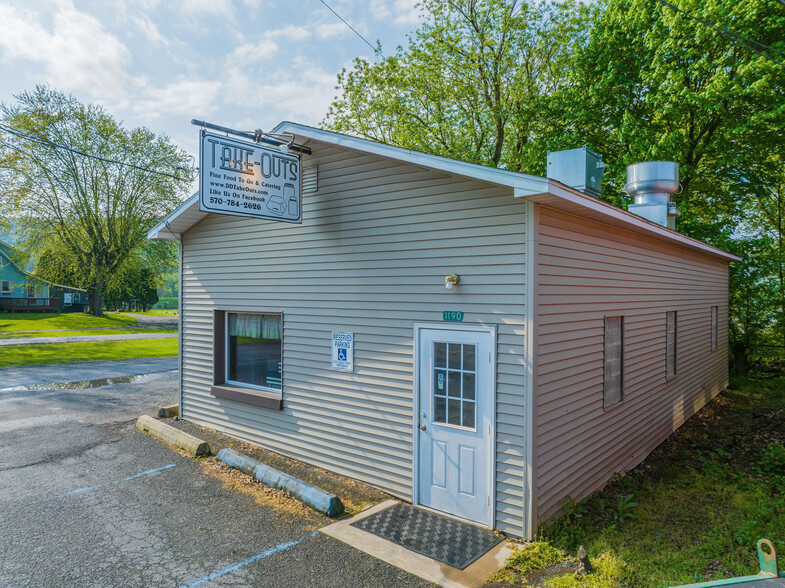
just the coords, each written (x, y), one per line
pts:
(468, 357)
(454, 384)
(254, 350)
(440, 382)
(440, 409)
(440, 354)
(454, 411)
(454, 356)
(454, 388)
(468, 414)
(468, 386)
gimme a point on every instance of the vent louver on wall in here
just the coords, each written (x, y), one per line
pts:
(310, 179)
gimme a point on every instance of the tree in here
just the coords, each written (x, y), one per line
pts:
(134, 282)
(653, 83)
(138, 278)
(473, 84)
(96, 210)
(499, 83)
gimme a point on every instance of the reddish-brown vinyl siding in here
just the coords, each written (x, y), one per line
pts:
(586, 272)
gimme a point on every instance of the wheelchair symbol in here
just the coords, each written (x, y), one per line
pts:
(342, 354)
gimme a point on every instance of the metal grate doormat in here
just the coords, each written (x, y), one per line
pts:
(443, 539)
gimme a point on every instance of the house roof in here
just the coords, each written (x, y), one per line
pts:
(7, 251)
(534, 188)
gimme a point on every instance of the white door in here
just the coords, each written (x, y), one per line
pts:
(455, 422)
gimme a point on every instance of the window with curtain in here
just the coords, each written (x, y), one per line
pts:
(253, 350)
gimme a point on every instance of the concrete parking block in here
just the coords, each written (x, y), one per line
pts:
(318, 499)
(172, 436)
(167, 412)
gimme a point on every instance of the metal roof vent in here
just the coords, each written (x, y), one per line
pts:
(579, 168)
(652, 184)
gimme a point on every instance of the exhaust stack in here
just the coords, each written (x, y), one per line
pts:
(652, 184)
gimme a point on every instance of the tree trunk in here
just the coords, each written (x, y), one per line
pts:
(97, 301)
(739, 359)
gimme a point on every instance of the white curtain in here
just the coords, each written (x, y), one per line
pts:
(258, 326)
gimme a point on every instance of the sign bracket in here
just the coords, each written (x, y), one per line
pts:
(255, 137)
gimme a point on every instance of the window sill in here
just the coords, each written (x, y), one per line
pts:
(260, 398)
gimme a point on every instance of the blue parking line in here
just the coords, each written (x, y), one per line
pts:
(87, 488)
(241, 564)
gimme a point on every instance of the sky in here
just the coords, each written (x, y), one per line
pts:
(245, 64)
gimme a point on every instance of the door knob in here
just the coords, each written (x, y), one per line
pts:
(421, 427)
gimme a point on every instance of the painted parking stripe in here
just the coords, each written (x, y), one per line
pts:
(241, 564)
(88, 488)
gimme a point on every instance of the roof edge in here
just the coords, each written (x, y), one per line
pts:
(492, 175)
(561, 197)
(537, 189)
(163, 231)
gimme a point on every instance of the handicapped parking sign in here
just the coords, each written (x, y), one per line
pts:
(343, 351)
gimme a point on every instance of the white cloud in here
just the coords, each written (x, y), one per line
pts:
(398, 12)
(303, 96)
(217, 7)
(148, 28)
(248, 53)
(77, 53)
(183, 97)
(290, 33)
(301, 91)
(332, 30)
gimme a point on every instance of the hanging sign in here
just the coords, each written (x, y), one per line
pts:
(343, 351)
(242, 178)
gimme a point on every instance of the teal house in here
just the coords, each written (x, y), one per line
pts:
(22, 292)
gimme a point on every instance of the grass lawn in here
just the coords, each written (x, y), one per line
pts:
(48, 321)
(66, 352)
(112, 331)
(170, 302)
(157, 311)
(691, 512)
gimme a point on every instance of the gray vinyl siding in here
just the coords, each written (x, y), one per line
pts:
(377, 239)
(586, 272)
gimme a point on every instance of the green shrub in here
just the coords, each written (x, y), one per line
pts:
(772, 462)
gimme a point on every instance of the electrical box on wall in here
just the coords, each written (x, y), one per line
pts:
(579, 168)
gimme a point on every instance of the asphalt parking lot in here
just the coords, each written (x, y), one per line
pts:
(85, 500)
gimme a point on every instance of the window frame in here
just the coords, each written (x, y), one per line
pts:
(224, 388)
(5, 286)
(669, 375)
(606, 404)
(715, 327)
(462, 371)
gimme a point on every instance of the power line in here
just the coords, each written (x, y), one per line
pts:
(374, 49)
(729, 34)
(83, 154)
